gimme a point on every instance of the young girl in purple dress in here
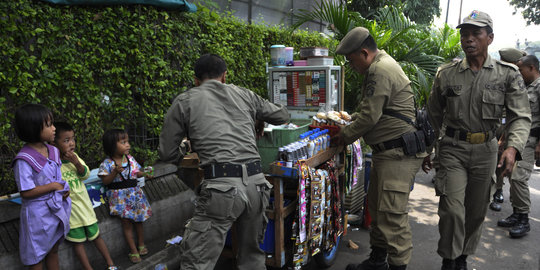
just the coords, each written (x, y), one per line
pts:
(46, 205)
(119, 172)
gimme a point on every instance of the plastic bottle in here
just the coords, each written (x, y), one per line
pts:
(328, 138)
(290, 157)
(311, 146)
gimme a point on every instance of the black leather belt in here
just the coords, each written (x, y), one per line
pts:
(391, 144)
(230, 170)
(470, 137)
(124, 184)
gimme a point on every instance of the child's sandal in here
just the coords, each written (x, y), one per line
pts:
(112, 267)
(134, 258)
(143, 250)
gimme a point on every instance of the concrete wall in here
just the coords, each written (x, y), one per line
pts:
(170, 199)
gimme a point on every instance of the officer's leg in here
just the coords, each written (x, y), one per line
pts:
(251, 226)
(204, 237)
(450, 184)
(482, 166)
(395, 175)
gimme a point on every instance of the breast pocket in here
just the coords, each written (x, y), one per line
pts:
(492, 104)
(453, 103)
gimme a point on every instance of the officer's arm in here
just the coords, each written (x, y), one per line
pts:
(518, 113)
(435, 106)
(172, 133)
(371, 108)
(275, 114)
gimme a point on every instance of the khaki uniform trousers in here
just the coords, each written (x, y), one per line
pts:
(463, 183)
(391, 179)
(220, 202)
(519, 182)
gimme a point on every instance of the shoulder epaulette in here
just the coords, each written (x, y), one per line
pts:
(507, 64)
(448, 65)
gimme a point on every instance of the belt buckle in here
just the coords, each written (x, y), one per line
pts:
(476, 138)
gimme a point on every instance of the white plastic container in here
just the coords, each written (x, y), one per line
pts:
(320, 61)
(277, 55)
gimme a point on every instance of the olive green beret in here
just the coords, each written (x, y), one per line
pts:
(352, 41)
(511, 55)
(477, 18)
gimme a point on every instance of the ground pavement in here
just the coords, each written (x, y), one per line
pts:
(496, 251)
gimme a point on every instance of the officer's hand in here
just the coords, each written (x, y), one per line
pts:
(354, 116)
(508, 158)
(259, 129)
(427, 164)
(537, 152)
(336, 140)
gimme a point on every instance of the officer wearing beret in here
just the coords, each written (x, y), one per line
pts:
(509, 55)
(219, 119)
(518, 222)
(386, 89)
(468, 97)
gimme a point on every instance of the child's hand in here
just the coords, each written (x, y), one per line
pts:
(71, 157)
(118, 169)
(65, 195)
(149, 176)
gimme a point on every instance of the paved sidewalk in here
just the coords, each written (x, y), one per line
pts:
(497, 251)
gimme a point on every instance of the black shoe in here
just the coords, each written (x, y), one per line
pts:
(397, 267)
(448, 264)
(495, 206)
(376, 261)
(498, 196)
(368, 265)
(461, 262)
(509, 221)
(522, 227)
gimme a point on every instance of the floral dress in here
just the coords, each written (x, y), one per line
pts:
(130, 203)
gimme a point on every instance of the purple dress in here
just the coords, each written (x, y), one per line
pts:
(44, 219)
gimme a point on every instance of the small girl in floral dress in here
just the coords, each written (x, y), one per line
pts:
(119, 172)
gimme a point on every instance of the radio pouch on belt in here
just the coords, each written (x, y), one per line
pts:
(410, 146)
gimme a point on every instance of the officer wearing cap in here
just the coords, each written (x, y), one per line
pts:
(468, 97)
(509, 55)
(219, 119)
(386, 90)
(518, 222)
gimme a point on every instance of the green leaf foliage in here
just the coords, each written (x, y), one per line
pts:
(101, 67)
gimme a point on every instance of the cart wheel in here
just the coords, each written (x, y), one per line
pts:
(327, 258)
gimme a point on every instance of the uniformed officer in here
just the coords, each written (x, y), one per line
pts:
(219, 120)
(509, 55)
(519, 186)
(386, 93)
(468, 97)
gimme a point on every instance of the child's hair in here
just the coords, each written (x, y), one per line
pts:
(110, 138)
(60, 128)
(30, 120)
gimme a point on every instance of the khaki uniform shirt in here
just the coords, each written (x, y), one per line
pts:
(474, 101)
(533, 91)
(219, 120)
(385, 87)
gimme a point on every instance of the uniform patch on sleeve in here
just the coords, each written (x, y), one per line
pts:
(370, 88)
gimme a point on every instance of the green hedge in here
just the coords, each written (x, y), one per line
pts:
(118, 66)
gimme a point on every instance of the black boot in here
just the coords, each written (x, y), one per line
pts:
(509, 221)
(522, 226)
(495, 206)
(397, 267)
(461, 262)
(498, 196)
(448, 264)
(376, 261)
